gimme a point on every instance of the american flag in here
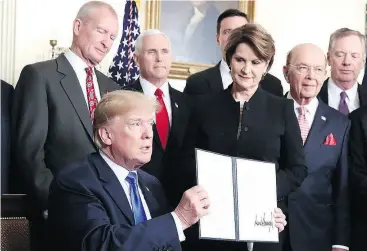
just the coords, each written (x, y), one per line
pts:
(123, 69)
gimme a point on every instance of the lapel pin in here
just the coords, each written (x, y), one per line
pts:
(323, 118)
(147, 189)
(176, 105)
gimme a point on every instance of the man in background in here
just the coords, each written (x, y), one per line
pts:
(318, 211)
(218, 78)
(53, 107)
(153, 56)
(346, 57)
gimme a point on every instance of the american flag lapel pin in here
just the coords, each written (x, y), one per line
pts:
(147, 189)
(176, 105)
(323, 118)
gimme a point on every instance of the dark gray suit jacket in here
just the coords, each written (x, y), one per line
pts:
(51, 126)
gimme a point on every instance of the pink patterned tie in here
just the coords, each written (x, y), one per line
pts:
(303, 123)
(91, 94)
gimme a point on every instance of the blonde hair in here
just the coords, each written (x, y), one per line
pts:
(119, 103)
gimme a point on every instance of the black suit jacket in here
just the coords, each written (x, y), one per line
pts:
(210, 81)
(89, 211)
(6, 100)
(319, 209)
(269, 132)
(362, 93)
(162, 163)
(51, 125)
(358, 178)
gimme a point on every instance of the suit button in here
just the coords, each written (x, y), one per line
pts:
(245, 128)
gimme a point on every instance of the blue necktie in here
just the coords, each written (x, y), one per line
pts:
(136, 203)
(343, 107)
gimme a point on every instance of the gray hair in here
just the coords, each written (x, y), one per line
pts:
(150, 32)
(346, 32)
(89, 7)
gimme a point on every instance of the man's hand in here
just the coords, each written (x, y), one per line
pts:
(280, 221)
(339, 249)
(194, 204)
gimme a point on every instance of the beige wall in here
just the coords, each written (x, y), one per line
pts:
(289, 21)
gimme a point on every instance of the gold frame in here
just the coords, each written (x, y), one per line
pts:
(184, 70)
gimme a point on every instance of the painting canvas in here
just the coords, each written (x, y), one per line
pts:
(191, 28)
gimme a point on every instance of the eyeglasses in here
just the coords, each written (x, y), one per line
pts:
(304, 69)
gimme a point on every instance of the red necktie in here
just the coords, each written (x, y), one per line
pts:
(162, 120)
(91, 94)
(303, 123)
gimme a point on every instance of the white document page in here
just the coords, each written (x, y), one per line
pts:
(214, 173)
(257, 199)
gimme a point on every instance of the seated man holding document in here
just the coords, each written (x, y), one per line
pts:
(104, 202)
(252, 132)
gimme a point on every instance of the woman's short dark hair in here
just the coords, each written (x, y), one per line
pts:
(256, 37)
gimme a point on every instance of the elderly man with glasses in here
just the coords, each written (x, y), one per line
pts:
(318, 210)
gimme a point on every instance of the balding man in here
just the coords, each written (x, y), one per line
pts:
(105, 202)
(54, 102)
(318, 210)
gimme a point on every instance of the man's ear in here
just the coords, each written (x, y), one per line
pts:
(105, 136)
(285, 73)
(136, 60)
(77, 26)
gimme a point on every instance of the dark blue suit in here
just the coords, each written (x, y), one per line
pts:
(6, 100)
(88, 210)
(319, 209)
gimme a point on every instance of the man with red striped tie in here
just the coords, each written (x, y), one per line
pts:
(318, 213)
(154, 58)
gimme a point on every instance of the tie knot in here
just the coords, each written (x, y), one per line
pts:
(132, 178)
(302, 110)
(89, 71)
(343, 95)
(158, 93)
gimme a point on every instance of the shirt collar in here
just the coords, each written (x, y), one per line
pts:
(335, 90)
(120, 172)
(224, 67)
(149, 89)
(310, 107)
(76, 62)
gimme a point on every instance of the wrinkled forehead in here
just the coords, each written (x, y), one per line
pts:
(348, 44)
(308, 55)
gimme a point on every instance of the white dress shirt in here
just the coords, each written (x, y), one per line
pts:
(121, 174)
(196, 18)
(225, 73)
(310, 115)
(334, 96)
(310, 108)
(79, 67)
(149, 90)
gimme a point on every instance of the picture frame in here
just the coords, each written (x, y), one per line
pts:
(175, 19)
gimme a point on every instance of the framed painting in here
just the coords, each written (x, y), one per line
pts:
(191, 28)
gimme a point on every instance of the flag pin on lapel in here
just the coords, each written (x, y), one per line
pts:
(323, 118)
(147, 189)
(176, 105)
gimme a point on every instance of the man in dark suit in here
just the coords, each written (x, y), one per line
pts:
(104, 202)
(153, 57)
(218, 78)
(54, 102)
(358, 178)
(6, 100)
(346, 57)
(319, 209)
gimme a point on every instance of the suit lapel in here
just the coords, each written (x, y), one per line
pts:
(152, 203)
(72, 88)
(175, 102)
(113, 187)
(323, 94)
(216, 82)
(362, 94)
(315, 135)
(103, 86)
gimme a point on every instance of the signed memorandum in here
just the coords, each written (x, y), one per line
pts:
(243, 198)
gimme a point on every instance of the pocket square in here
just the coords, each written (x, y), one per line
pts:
(330, 140)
